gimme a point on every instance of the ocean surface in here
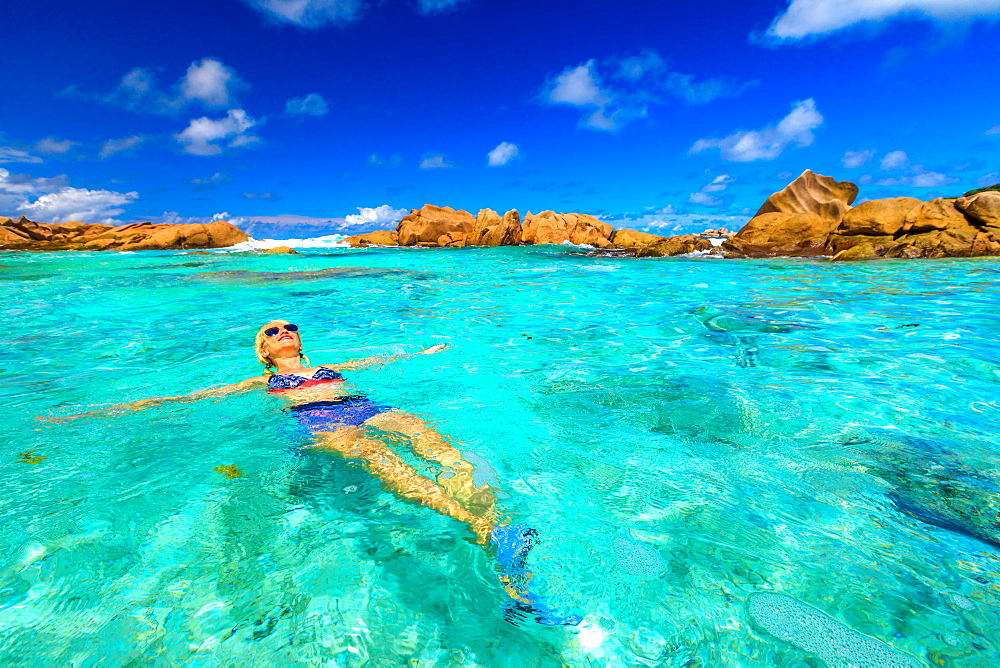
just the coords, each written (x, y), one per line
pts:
(728, 463)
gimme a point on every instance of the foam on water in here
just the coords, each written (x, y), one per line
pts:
(328, 241)
(700, 445)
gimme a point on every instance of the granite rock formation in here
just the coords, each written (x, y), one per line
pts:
(549, 227)
(812, 193)
(679, 245)
(492, 230)
(435, 226)
(626, 238)
(899, 227)
(24, 234)
(376, 238)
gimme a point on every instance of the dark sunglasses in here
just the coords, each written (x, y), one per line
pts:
(271, 331)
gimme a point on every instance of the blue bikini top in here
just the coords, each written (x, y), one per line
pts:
(290, 381)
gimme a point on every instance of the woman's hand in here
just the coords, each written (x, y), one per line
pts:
(434, 349)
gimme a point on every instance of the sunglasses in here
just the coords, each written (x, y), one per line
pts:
(271, 331)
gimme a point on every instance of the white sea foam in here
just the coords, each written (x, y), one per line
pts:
(328, 241)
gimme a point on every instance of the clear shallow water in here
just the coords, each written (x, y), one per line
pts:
(729, 463)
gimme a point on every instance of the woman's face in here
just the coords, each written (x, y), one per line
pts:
(281, 341)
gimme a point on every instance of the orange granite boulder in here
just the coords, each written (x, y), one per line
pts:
(492, 230)
(813, 193)
(549, 227)
(779, 233)
(376, 238)
(982, 209)
(627, 238)
(878, 217)
(24, 234)
(938, 214)
(281, 250)
(679, 245)
(435, 226)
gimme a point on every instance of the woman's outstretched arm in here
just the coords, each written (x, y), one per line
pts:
(215, 392)
(365, 362)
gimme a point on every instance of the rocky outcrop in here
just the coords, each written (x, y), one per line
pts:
(679, 245)
(435, 226)
(281, 250)
(549, 227)
(24, 234)
(780, 233)
(813, 193)
(899, 227)
(492, 230)
(376, 238)
(626, 238)
(984, 209)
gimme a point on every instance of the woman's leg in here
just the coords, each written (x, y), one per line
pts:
(456, 474)
(399, 477)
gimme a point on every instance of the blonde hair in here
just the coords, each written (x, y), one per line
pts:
(259, 347)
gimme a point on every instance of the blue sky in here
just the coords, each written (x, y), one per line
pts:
(668, 117)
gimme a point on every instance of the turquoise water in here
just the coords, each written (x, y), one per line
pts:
(730, 463)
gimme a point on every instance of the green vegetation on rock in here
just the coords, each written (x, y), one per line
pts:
(995, 186)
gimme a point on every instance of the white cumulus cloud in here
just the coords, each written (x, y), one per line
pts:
(995, 130)
(620, 89)
(502, 154)
(112, 146)
(207, 136)
(578, 86)
(312, 104)
(88, 206)
(810, 18)
(384, 216)
(435, 162)
(437, 6)
(854, 159)
(210, 82)
(207, 82)
(11, 154)
(795, 129)
(895, 160)
(52, 146)
(310, 13)
(716, 185)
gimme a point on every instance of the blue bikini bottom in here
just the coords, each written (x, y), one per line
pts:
(348, 411)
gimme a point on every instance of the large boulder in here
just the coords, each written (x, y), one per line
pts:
(74, 235)
(982, 209)
(878, 217)
(679, 245)
(435, 226)
(376, 238)
(938, 214)
(813, 193)
(778, 233)
(549, 227)
(626, 238)
(492, 230)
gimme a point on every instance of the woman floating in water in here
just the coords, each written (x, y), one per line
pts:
(342, 421)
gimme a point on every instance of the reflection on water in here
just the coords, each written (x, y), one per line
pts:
(726, 463)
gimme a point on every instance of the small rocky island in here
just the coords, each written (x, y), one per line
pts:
(812, 216)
